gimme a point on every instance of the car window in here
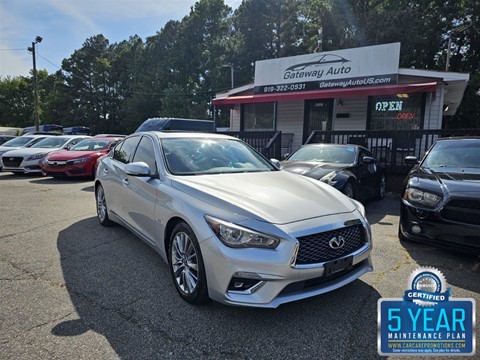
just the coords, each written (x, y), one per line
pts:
(146, 153)
(124, 152)
(74, 141)
(51, 142)
(19, 141)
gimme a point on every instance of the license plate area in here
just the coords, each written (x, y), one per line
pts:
(335, 266)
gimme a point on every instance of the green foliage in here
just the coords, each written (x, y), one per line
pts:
(178, 70)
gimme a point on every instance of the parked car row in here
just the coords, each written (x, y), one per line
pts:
(65, 155)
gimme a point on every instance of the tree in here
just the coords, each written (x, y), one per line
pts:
(16, 102)
(90, 85)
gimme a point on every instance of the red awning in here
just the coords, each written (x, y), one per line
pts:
(327, 94)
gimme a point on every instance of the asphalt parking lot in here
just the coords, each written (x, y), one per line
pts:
(72, 289)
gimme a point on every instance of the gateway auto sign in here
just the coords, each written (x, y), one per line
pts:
(365, 66)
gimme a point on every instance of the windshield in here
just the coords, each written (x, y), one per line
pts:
(91, 145)
(51, 142)
(325, 153)
(18, 141)
(460, 153)
(195, 156)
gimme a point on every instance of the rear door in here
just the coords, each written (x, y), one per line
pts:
(115, 189)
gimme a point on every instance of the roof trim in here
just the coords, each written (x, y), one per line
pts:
(326, 94)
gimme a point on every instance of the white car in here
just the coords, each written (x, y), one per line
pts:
(20, 142)
(231, 226)
(26, 160)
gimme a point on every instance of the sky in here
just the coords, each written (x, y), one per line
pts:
(64, 25)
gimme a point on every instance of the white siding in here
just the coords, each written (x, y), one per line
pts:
(235, 118)
(290, 120)
(356, 108)
(434, 109)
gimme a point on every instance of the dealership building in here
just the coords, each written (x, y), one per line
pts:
(352, 89)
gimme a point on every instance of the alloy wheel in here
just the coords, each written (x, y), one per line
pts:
(184, 263)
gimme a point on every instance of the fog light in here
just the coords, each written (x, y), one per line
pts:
(239, 284)
(416, 229)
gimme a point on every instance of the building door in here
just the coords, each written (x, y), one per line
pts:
(318, 116)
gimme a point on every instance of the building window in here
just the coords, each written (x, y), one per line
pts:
(259, 116)
(396, 112)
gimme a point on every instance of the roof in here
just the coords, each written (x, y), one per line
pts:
(455, 84)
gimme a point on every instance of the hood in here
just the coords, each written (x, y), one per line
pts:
(276, 197)
(24, 152)
(311, 169)
(65, 155)
(446, 180)
(4, 149)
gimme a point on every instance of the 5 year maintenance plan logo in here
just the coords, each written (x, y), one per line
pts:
(427, 320)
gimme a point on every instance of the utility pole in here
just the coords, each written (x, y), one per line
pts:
(456, 30)
(320, 40)
(38, 39)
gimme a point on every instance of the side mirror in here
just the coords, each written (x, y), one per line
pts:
(276, 163)
(137, 169)
(411, 160)
(368, 160)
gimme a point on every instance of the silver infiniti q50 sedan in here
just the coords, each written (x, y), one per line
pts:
(229, 224)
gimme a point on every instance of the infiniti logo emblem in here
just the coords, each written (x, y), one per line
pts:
(337, 243)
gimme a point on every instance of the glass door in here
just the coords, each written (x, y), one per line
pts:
(318, 116)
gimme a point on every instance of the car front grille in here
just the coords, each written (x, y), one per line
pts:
(462, 211)
(316, 248)
(58, 164)
(12, 161)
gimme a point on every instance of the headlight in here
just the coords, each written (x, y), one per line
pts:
(78, 161)
(237, 236)
(422, 198)
(329, 178)
(37, 156)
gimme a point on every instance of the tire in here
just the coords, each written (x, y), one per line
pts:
(102, 210)
(382, 183)
(186, 265)
(349, 190)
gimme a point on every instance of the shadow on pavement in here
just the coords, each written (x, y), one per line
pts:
(52, 180)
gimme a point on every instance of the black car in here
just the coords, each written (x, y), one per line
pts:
(352, 169)
(441, 196)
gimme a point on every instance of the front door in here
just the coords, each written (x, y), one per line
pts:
(318, 116)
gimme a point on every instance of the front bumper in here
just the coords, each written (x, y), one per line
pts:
(24, 169)
(272, 274)
(433, 229)
(80, 170)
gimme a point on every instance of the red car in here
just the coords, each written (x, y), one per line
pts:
(80, 160)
